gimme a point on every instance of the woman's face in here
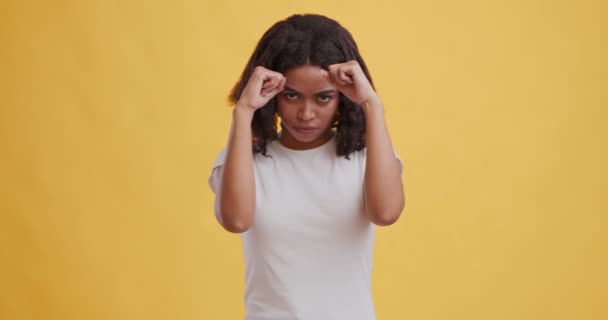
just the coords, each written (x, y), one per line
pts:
(307, 107)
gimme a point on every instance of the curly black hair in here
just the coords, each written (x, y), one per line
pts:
(305, 39)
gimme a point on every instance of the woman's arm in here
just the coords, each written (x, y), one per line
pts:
(383, 187)
(235, 200)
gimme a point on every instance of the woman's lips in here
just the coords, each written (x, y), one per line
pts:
(305, 130)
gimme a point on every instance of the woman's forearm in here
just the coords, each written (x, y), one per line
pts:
(237, 195)
(383, 187)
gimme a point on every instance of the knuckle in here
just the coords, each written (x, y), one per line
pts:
(258, 71)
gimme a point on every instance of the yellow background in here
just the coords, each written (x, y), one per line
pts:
(113, 111)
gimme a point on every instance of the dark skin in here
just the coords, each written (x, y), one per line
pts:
(307, 116)
(307, 107)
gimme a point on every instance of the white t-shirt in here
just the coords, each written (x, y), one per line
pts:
(308, 253)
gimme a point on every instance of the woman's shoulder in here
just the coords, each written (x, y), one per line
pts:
(220, 158)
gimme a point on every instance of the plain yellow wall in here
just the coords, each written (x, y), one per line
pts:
(113, 111)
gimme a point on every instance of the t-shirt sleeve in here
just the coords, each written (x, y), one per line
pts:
(363, 156)
(400, 161)
(216, 171)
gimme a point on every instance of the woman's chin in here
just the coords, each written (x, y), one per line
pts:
(306, 139)
(302, 140)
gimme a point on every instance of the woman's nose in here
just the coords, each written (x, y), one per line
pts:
(306, 112)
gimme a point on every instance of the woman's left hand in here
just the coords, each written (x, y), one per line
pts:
(350, 79)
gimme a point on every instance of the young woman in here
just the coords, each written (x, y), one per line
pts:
(306, 198)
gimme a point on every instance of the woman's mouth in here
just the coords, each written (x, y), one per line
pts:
(305, 130)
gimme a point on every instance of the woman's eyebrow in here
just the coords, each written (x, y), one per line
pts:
(326, 91)
(288, 88)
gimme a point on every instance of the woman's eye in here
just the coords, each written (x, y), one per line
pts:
(324, 98)
(291, 96)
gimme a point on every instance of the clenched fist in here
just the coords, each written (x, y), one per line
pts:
(350, 79)
(262, 86)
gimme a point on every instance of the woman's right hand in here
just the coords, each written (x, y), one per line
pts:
(262, 86)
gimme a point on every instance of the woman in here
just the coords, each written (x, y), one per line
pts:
(306, 199)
